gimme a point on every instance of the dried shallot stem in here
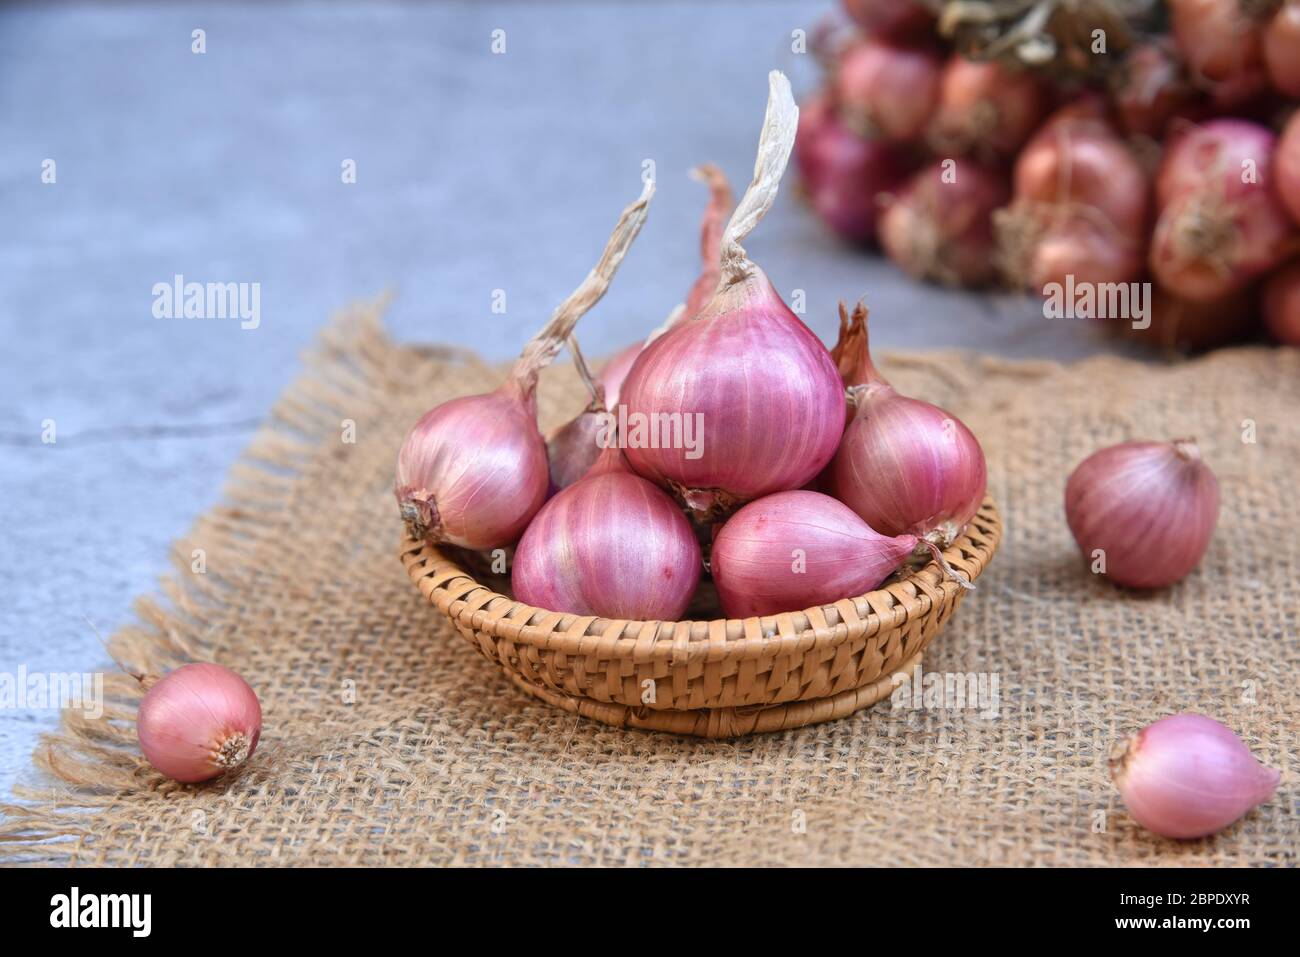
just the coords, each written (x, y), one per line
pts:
(547, 343)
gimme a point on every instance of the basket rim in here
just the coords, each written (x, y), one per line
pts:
(471, 605)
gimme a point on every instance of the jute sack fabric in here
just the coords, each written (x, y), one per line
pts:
(388, 740)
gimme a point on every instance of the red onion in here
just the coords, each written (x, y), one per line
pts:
(985, 108)
(794, 550)
(1216, 38)
(891, 19)
(611, 544)
(760, 383)
(1150, 89)
(1282, 304)
(1143, 513)
(1080, 207)
(1286, 163)
(199, 721)
(1188, 776)
(887, 91)
(845, 176)
(1282, 49)
(1221, 222)
(473, 471)
(572, 449)
(941, 227)
(905, 466)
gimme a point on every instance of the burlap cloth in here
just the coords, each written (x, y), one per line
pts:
(388, 740)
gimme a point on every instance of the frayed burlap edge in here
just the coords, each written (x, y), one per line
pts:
(96, 762)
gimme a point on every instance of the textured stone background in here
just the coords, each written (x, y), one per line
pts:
(475, 172)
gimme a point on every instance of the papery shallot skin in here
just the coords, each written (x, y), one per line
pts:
(493, 461)
(1149, 507)
(769, 397)
(1188, 776)
(797, 549)
(611, 544)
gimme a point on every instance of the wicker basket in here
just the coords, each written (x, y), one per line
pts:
(715, 679)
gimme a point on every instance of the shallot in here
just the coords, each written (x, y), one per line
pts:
(906, 467)
(1188, 776)
(1221, 221)
(1282, 49)
(1080, 205)
(1143, 513)
(199, 721)
(886, 90)
(1150, 89)
(611, 544)
(797, 549)
(760, 385)
(846, 177)
(473, 471)
(940, 225)
(985, 108)
(571, 448)
(1217, 38)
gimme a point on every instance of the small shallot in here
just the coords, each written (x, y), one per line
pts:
(571, 448)
(846, 177)
(1080, 205)
(886, 90)
(473, 471)
(940, 226)
(797, 549)
(611, 544)
(906, 467)
(1188, 776)
(1143, 513)
(199, 721)
(745, 375)
(985, 108)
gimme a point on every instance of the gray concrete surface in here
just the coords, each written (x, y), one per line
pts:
(475, 172)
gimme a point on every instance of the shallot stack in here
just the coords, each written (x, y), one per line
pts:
(975, 148)
(703, 438)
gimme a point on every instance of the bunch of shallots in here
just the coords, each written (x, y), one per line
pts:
(1169, 159)
(710, 431)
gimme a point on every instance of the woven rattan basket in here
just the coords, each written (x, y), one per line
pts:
(719, 678)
